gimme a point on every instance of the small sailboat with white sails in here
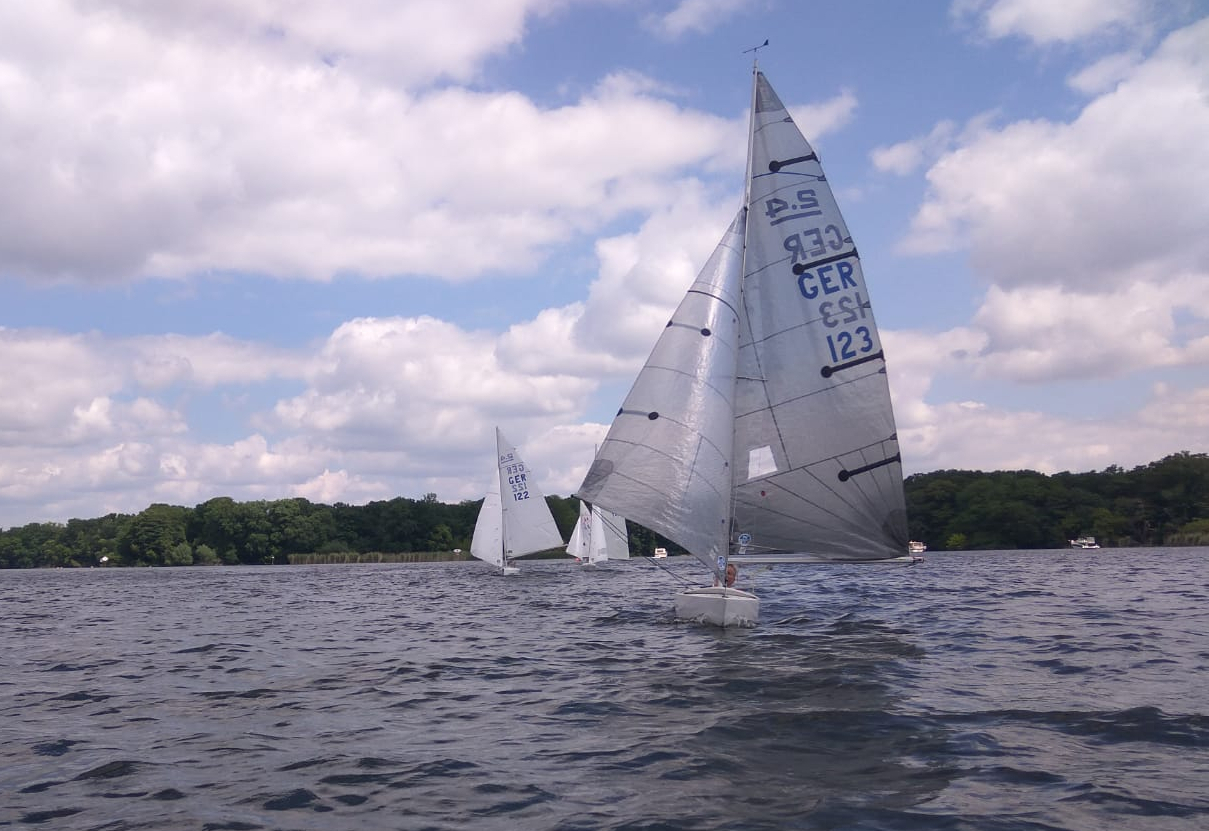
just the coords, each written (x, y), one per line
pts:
(515, 519)
(599, 535)
(762, 419)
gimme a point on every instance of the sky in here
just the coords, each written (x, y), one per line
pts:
(288, 248)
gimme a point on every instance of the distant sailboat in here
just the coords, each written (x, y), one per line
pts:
(762, 418)
(517, 523)
(599, 535)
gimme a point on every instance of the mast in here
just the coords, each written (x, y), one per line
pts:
(745, 210)
(499, 475)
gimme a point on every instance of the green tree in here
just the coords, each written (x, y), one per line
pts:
(441, 539)
(206, 556)
(152, 534)
(956, 542)
(180, 555)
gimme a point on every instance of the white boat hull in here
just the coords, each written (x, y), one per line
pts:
(812, 560)
(509, 571)
(718, 606)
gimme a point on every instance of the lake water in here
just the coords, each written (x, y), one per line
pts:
(990, 690)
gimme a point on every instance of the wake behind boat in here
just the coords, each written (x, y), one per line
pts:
(515, 519)
(763, 416)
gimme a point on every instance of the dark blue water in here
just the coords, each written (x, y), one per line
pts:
(1011, 690)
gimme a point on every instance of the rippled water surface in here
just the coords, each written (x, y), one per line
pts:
(1009, 690)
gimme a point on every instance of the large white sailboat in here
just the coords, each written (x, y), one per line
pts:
(599, 535)
(515, 519)
(761, 422)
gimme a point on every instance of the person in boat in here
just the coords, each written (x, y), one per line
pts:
(732, 574)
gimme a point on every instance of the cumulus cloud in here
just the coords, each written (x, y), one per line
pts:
(163, 144)
(1102, 75)
(1084, 232)
(403, 43)
(908, 156)
(1052, 334)
(695, 16)
(1115, 196)
(1050, 443)
(1045, 22)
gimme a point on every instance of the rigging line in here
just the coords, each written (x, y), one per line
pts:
(679, 577)
(851, 524)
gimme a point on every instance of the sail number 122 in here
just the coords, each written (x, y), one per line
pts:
(516, 481)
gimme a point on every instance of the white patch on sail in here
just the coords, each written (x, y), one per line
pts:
(760, 462)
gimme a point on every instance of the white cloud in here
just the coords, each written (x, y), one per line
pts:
(340, 486)
(938, 434)
(696, 16)
(1104, 74)
(1051, 334)
(908, 156)
(915, 358)
(1119, 195)
(959, 436)
(403, 42)
(157, 147)
(420, 383)
(1045, 21)
(819, 119)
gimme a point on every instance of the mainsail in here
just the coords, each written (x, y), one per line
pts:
(817, 466)
(763, 413)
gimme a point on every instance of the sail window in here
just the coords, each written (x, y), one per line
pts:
(760, 462)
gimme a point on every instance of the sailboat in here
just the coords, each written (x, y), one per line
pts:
(599, 535)
(760, 428)
(515, 519)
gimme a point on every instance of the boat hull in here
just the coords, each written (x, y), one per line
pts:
(718, 606)
(812, 560)
(510, 571)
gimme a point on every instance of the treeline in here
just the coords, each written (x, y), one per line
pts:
(222, 531)
(1162, 503)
